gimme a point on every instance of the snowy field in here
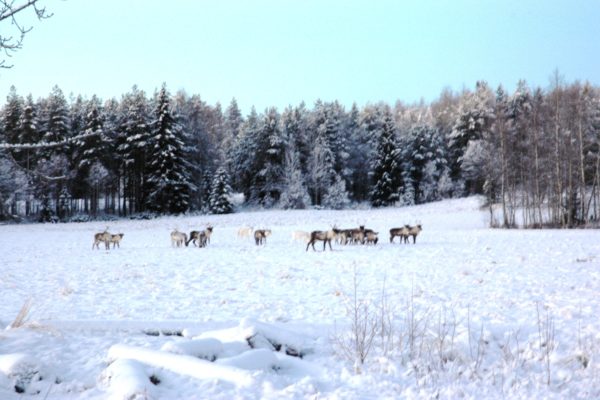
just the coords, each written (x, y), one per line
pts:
(466, 312)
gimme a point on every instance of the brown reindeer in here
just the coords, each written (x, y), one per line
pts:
(344, 236)
(402, 233)
(116, 239)
(371, 237)
(325, 236)
(414, 231)
(102, 237)
(260, 236)
(357, 236)
(202, 237)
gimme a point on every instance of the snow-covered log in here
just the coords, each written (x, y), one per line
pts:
(208, 349)
(128, 379)
(181, 364)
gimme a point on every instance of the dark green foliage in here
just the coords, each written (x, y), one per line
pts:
(387, 172)
(220, 193)
(167, 175)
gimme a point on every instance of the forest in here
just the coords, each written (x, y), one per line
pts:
(534, 154)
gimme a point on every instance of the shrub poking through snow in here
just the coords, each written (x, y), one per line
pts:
(21, 370)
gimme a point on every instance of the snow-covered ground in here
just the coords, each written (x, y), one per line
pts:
(465, 312)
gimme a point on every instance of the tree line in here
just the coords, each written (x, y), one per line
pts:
(533, 153)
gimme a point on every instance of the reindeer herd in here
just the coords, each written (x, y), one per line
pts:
(107, 238)
(201, 238)
(360, 235)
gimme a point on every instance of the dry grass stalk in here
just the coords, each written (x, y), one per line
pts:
(21, 317)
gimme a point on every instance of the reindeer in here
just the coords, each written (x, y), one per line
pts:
(413, 231)
(358, 235)
(344, 237)
(199, 236)
(371, 237)
(178, 238)
(402, 233)
(325, 236)
(203, 237)
(102, 237)
(244, 232)
(300, 236)
(340, 237)
(208, 231)
(368, 232)
(260, 236)
(116, 239)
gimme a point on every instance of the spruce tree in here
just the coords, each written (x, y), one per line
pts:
(220, 193)
(199, 147)
(246, 161)
(424, 161)
(11, 114)
(387, 170)
(88, 152)
(55, 161)
(56, 125)
(233, 121)
(272, 151)
(168, 178)
(360, 153)
(29, 133)
(133, 141)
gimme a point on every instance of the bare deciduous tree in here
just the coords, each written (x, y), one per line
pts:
(9, 11)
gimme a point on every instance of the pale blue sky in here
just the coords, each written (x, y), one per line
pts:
(269, 52)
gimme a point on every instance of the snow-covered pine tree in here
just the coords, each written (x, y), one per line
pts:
(233, 121)
(336, 197)
(110, 118)
(29, 133)
(215, 125)
(133, 141)
(424, 161)
(90, 151)
(294, 124)
(328, 122)
(220, 194)
(200, 149)
(27, 158)
(320, 169)
(474, 120)
(269, 179)
(360, 154)
(387, 172)
(11, 115)
(167, 172)
(55, 121)
(246, 160)
(294, 194)
(205, 189)
(55, 127)
(77, 114)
